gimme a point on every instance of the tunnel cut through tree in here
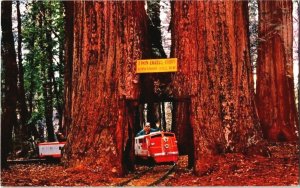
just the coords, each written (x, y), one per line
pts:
(108, 38)
(210, 40)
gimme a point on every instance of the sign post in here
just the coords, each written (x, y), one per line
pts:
(156, 65)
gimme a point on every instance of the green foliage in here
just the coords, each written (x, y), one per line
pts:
(42, 18)
(35, 116)
(253, 30)
(154, 24)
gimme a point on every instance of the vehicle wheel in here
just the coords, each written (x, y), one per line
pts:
(138, 160)
(52, 160)
(150, 161)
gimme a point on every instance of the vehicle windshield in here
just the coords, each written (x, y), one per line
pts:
(168, 135)
(156, 136)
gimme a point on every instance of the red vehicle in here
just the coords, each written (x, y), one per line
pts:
(159, 146)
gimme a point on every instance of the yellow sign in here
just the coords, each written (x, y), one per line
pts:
(156, 65)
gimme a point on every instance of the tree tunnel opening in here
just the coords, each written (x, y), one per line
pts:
(172, 115)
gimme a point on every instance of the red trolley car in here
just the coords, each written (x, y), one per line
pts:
(159, 146)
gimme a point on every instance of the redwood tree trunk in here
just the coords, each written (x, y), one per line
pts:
(32, 75)
(69, 38)
(21, 90)
(298, 66)
(108, 39)
(49, 89)
(210, 40)
(46, 69)
(183, 129)
(275, 87)
(53, 84)
(60, 85)
(9, 87)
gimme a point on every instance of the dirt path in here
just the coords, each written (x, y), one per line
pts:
(282, 168)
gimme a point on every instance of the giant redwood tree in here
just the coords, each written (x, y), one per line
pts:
(275, 87)
(210, 40)
(108, 38)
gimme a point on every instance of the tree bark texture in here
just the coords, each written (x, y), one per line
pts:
(275, 87)
(46, 69)
(69, 38)
(298, 66)
(108, 39)
(32, 74)
(210, 40)
(9, 87)
(49, 86)
(21, 90)
(183, 129)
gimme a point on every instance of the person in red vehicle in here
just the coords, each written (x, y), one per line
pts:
(147, 130)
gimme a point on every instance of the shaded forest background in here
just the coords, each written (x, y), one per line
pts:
(47, 40)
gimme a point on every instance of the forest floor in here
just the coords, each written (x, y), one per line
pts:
(281, 169)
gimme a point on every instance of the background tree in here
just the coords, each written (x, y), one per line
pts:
(46, 66)
(44, 62)
(56, 28)
(218, 81)
(9, 81)
(108, 38)
(275, 87)
(154, 27)
(30, 66)
(21, 90)
(69, 29)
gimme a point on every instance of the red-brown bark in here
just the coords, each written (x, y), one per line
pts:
(298, 11)
(275, 87)
(108, 38)
(183, 130)
(69, 37)
(210, 40)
